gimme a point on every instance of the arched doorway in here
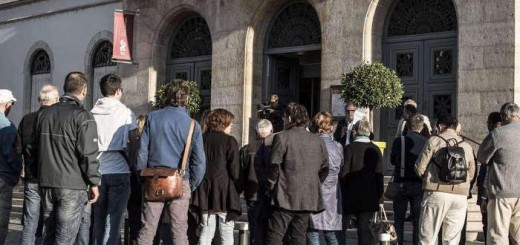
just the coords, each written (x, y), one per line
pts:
(101, 65)
(293, 57)
(420, 43)
(189, 56)
(40, 75)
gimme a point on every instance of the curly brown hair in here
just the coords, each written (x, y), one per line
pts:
(177, 93)
(322, 123)
(219, 120)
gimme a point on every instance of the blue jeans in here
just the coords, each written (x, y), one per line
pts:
(411, 193)
(62, 212)
(209, 225)
(331, 237)
(114, 193)
(83, 237)
(6, 199)
(31, 212)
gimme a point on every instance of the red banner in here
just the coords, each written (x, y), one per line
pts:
(123, 37)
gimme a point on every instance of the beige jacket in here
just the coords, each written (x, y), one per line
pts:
(427, 170)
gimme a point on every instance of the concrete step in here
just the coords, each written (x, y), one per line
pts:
(17, 195)
(16, 218)
(17, 202)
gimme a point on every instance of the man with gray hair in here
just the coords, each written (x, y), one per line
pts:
(32, 221)
(64, 144)
(10, 162)
(254, 159)
(500, 151)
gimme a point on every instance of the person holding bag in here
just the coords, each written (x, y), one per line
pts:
(362, 180)
(166, 152)
(217, 200)
(405, 151)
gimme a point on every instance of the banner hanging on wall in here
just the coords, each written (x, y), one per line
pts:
(123, 36)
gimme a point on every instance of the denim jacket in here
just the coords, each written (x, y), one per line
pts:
(163, 140)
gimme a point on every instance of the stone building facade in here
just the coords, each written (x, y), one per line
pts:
(454, 57)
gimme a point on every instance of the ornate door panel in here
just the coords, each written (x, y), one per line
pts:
(440, 77)
(180, 71)
(282, 80)
(427, 69)
(203, 77)
(199, 72)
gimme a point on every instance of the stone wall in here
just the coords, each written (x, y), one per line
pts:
(486, 61)
(352, 30)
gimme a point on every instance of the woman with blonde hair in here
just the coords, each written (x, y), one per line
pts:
(217, 199)
(328, 221)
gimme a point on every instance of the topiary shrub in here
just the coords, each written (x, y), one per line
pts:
(194, 103)
(372, 85)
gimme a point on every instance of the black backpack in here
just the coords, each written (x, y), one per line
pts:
(451, 162)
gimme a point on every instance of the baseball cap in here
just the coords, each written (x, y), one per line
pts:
(6, 96)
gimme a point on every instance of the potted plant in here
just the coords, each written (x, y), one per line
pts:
(372, 85)
(194, 103)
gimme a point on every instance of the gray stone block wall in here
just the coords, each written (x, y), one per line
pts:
(352, 30)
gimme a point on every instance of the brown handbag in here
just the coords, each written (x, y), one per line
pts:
(162, 184)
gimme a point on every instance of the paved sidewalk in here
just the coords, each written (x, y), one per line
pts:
(15, 233)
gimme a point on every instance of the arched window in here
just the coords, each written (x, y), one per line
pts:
(190, 55)
(40, 75)
(103, 55)
(101, 65)
(192, 39)
(297, 25)
(293, 57)
(412, 17)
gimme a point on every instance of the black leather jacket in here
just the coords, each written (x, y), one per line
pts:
(65, 146)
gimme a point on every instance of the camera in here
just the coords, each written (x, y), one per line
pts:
(265, 111)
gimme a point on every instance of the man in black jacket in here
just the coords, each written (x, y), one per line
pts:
(299, 164)
(65, 146)
(254, 159)
(32, 221)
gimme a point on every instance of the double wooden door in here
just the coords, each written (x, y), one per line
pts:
(428, 70)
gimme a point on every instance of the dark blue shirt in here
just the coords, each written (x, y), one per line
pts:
(163, 141)
(10, 162)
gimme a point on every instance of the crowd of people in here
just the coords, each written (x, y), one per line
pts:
(81, 172)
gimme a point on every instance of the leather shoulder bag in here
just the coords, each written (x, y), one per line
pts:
(162, 184)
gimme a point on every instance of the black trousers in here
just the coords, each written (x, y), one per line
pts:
(280, 220)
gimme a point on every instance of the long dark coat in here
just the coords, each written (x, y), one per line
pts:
(362, 178)
(299, 164)
(218, 190)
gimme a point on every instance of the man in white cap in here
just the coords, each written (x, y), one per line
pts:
(10, 162)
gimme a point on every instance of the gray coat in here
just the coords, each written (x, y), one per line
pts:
(500, 151)
(330, 219)
(299, 164)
